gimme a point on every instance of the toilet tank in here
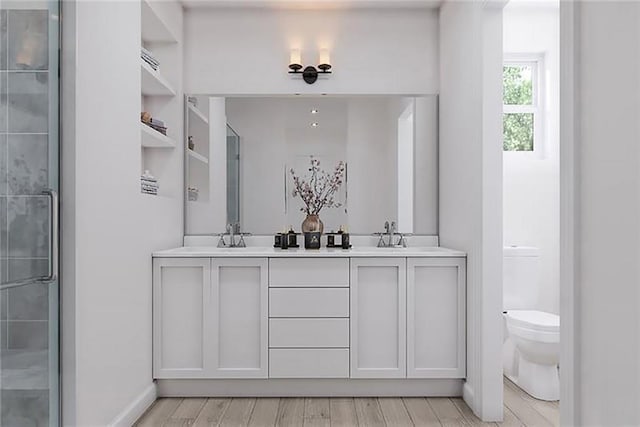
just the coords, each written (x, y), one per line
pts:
(521, 274)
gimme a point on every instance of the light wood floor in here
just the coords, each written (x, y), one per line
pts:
(520, 409)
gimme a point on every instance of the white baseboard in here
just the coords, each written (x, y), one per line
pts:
(468, 396)
(135, 410)
(327, 387)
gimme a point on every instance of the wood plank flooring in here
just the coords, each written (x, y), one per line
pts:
(520, 410)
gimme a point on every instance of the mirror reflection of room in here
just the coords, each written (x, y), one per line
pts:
(243, 150)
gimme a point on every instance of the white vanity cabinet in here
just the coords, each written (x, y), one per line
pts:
(436, 325)
(210, 317)
(335, 317)
(378, 317)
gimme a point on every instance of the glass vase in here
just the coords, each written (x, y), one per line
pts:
(312, 223)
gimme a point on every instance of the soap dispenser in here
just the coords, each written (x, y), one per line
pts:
(292, 238)
(346, 244)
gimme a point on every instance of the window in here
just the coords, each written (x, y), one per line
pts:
(522, 117)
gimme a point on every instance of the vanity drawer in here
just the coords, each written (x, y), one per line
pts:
(311, 272)
(309, 363)
(309, 302)
(316, 333)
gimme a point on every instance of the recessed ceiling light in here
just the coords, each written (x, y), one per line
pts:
(314, 124)
(314, 111)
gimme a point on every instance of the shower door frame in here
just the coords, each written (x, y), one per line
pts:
(52, 278)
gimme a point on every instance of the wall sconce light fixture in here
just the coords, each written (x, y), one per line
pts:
(309, 73)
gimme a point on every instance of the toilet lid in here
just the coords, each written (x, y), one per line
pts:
(537, 320)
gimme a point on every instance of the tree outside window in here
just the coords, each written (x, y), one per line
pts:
(520, 105)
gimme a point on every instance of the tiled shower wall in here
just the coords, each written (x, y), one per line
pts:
(24, 127)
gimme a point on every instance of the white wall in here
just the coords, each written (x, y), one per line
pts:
(109, 229)
(406, 135)
(372, 165)
(426, 165)
(531, 181)
(217, 164)
(608, 244)
(235, 51)
(488, 298)
(470, 177)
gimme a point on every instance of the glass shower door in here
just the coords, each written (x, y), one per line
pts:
(29, 367)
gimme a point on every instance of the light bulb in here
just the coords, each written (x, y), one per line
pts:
(325, 58)
(295, 57)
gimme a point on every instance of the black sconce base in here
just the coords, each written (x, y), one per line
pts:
(310, 73)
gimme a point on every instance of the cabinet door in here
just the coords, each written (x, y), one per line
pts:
(378, 317)
(239, 317)
(436, 317)
(181, 334)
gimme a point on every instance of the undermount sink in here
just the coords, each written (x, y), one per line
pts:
(227, 249)
(412, 249)
(379, 249)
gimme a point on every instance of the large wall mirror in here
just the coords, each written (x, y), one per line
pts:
(241, 152)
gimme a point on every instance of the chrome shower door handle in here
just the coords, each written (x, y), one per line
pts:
(54, 236)
(54, 247)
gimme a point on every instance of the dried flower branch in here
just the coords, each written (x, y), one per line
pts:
(317, 189)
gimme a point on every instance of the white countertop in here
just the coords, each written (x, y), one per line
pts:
(269, 252)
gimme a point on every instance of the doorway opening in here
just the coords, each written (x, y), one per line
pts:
(531, 207)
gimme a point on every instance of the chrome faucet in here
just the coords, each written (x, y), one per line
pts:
(231, 228)
(232, 231)
(390, 232)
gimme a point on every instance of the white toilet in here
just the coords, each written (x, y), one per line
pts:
(532, 338)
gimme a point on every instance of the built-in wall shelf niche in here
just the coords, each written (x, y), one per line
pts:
(151, 138)
(198, 115)
(198, 157)
(153, 83)
(157, 199)
(161, 97)
(154, 30)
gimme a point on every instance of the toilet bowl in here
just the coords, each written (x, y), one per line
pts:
(532, 351)
(532, 338)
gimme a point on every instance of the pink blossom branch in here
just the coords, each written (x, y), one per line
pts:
(317, 192)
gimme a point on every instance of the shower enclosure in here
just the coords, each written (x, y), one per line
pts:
(29, 367)
(233, 176)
